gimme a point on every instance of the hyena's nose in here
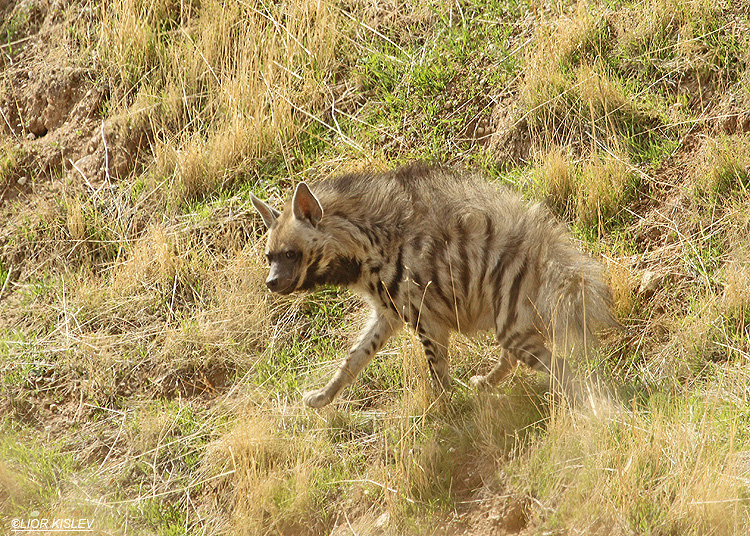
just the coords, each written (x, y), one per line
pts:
(272, 283)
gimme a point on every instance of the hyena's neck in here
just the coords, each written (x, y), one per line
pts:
(339, 270)
(343, 256)
(368, 257)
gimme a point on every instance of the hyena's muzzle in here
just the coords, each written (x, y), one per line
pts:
(283, 276)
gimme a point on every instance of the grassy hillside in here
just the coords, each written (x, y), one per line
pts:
(149, 382)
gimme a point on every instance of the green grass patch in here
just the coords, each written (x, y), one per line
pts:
(34, 473)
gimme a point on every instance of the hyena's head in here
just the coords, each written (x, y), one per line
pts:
(293, 240)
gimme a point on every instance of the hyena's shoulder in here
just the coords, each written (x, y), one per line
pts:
(383, 205)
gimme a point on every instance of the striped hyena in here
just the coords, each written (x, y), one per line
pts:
(442, 251)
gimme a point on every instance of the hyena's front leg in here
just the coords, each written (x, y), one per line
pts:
(378, 330)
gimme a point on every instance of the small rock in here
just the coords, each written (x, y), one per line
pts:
(22, 181)
(382, 521)
(30, 136)
(650, 282)
(81, 163)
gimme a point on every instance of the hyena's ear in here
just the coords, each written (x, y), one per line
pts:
(306, 206)
(268, 214)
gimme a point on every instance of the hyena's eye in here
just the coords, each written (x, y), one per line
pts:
(290, 254)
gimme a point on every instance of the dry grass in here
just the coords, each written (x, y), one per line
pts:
(228, 81)
(269, 481)
(559, 181)
(606, 182)
(724, 167)
(624, 285)
(589, 192)
(664, 469)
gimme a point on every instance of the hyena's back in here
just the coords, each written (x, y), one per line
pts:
(443, 251)
(470, 255)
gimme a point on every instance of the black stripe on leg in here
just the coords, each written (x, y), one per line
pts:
(428, 345)
(436, 257)
(463, 260)
(512, 315)
(431, 366)
(489, 233)
(528, 354)
(520, 337)
(510, 250)
(429, 350)
(393, 286)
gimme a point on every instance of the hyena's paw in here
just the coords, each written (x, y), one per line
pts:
(317, 398)
(480, 383)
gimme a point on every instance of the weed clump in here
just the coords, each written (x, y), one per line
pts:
(725, 169)
(590, 193)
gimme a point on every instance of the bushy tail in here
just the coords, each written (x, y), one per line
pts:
(578, 304)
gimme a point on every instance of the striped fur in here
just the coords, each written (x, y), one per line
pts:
(441, 251)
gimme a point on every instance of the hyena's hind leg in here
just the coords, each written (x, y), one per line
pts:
(373, 337)
(530, 349)
(436, 350)
(527, 347)
(499, 372)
